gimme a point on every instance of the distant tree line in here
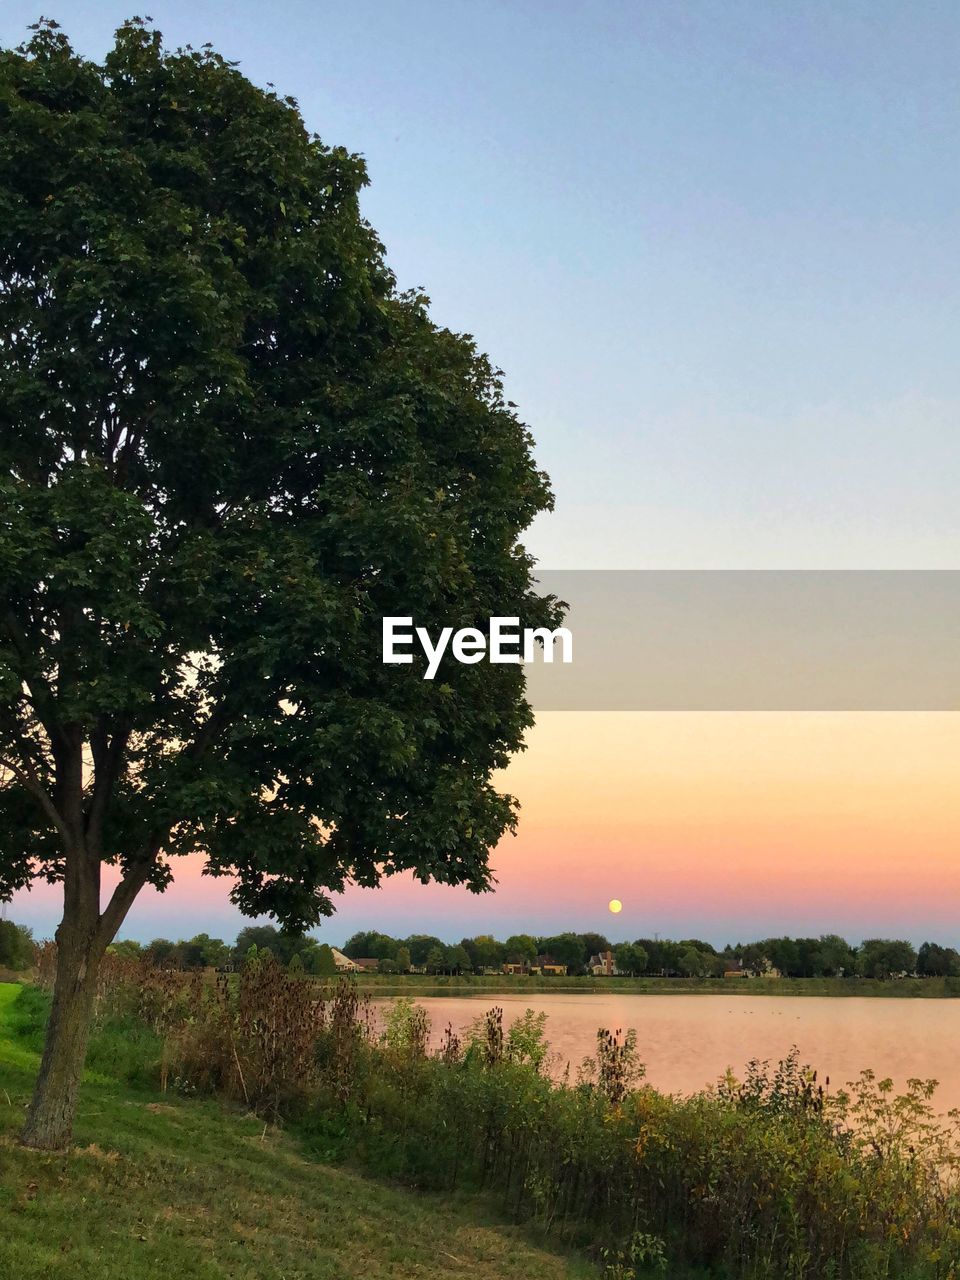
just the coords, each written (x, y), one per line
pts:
(425, 951)
(298, 951)
(824, 957)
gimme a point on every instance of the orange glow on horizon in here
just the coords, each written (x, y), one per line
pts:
(717, 816)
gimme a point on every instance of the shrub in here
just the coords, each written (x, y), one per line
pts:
(16, 947)
(773, 1175)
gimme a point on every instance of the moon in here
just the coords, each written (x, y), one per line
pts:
(615, 906)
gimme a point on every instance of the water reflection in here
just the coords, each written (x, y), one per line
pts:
(688, 1041)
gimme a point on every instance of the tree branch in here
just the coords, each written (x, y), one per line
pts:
(44, 703)
(125, 893)
(28, 779)
(124, 896)
(107, 758)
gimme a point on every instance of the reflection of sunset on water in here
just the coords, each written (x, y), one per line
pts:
(687, 1042)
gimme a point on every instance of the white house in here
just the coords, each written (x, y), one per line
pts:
(602, 965)
(344, 963)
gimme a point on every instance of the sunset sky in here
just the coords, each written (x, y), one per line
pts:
(714, 249)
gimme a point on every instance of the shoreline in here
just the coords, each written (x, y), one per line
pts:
(387, 985)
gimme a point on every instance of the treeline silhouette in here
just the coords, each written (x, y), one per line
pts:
(295, 950)
(826, 956)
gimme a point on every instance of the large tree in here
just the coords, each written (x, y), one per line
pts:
(228, 448)
(370, 943)
(565, 948)
(630, 957)
(885, 957)
(519, 947)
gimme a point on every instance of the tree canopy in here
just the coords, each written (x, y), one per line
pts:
(886, 957)
(228, 447)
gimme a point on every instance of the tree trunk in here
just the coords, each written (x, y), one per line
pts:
(49, 1123)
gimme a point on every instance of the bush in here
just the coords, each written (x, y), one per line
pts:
(769, 1176)
(777, 1180)
(16, 947)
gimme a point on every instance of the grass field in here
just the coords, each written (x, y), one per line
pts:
(182, 1188)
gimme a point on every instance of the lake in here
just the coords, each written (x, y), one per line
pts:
(688, 1041)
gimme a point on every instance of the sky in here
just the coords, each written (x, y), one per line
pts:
(713, 246)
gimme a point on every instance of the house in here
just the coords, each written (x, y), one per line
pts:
(548, 966)
(517, 967)
(369, 964)
(344, 963)
(739, 970)
(602, 966)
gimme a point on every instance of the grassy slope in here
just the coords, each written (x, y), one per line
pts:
(183, 1189)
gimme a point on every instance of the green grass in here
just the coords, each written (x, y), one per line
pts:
(12, 1054)
(183, 1188)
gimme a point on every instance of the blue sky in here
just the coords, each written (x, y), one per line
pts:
(713, 245)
